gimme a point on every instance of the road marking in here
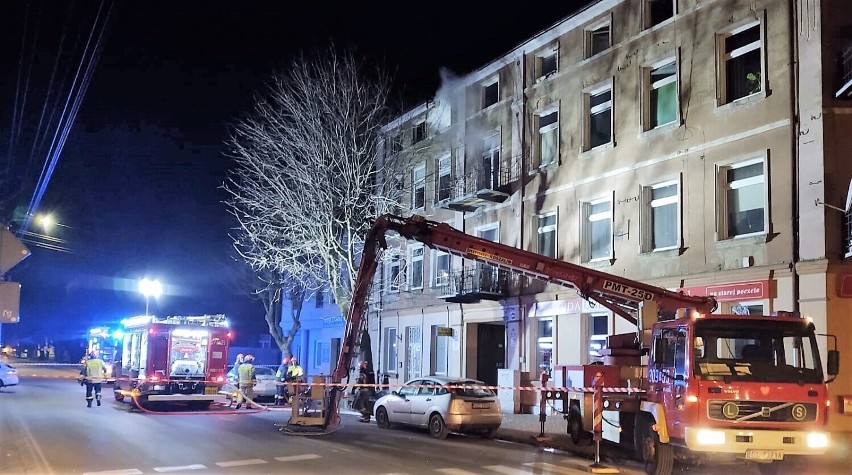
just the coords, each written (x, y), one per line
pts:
(455, 471)
(555, 468)
(506, 470)
(128, 471)
(181, 468)
(240, 463)
(296, 458)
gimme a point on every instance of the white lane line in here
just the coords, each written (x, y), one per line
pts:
(240, 463)
(128, 471)
(555, 468)
(507, 470)
(296, 458)
(181, 468)
(455, 471)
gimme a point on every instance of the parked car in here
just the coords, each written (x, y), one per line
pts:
(264, 388)
(442, 405)
(8, 375)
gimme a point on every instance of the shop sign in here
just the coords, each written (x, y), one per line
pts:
(756, 290)
(445, 331)
(553, 308)
(331, 322)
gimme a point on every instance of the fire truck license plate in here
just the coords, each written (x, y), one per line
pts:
(759, 454)
(211, 390)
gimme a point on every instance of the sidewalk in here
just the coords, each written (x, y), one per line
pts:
(526, 429)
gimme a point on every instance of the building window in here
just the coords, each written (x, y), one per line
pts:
(490, 233)
(743, 199)
(548, 138)
(547, 63)
(662, 216)
(847, 232)
(320, 299)
(490, 94)
(491, 161)
(419, 132)
(389, 355)
(740, 63)
(415, 267)
(658, 11)
(599, 116)
(443, 181)
(418, 187)
(599, 325)
(598, 229)
(661, 94)
(598, 39)
(441, 265)
(393, 145)
(393, 273)
(547, 234)
(440, 345)
(544, 346)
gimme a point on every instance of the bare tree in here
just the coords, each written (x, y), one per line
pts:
(304, 186)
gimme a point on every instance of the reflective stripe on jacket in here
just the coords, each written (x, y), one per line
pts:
(295, 372)
(95, 370)
(246, 374)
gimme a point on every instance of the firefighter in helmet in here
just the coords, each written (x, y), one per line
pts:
(247, 380)
(93, 372)
(280, 378)
(366, 391)
(294, 375)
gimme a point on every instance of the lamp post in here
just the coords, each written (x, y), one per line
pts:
(150, 288)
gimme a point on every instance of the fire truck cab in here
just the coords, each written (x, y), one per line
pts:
(106, 346)
(176, 359)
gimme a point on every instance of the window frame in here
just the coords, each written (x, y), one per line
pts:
(392, 282)
(589, 35)
(540, 59)
(586, 227)
(436, 350)
(544, 229)
(444, 168)
(486, 86)
(418, 186)
(648, 87)
(723, 186)
(545, 129)
(418, 132)
(647, 217)
(597, 337)
(390, 355)
(416, 253)
(647, 12)
(589, 111)
(436, 278)
(539, 351)
(723, 58)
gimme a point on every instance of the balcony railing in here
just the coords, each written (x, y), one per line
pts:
(475, 283)
(482, 187)
(845, 68)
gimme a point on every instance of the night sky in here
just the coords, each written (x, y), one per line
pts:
(137, 184)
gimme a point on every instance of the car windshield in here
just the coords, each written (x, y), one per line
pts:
(470, 388)
(750, 350)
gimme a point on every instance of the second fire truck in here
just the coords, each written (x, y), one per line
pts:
(177, 359)
(702, 385)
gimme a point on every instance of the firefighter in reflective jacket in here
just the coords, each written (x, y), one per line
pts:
(280, 377)
(247, 380)
(94, 371)
(294, 375)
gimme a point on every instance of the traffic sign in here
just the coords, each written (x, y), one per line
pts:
(10, 298)
(12, 251)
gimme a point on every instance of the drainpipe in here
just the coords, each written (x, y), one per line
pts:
(796, 124)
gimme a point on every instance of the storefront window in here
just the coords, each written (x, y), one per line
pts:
(544, 346)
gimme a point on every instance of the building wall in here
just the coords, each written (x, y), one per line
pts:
(793, 125)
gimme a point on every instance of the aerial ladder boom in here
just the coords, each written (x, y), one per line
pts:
(637, 302)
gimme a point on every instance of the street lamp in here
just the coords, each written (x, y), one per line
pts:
(150, 288)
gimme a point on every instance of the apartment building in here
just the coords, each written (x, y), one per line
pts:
(695, 145)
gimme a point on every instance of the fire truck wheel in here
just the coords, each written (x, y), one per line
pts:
(768, 468)
(657, 457)
(382, 419)
(437, 427)
(575, 427)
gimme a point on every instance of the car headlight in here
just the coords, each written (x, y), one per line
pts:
(817, 440)
(711, 437)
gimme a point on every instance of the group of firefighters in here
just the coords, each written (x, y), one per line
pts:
(289, 373)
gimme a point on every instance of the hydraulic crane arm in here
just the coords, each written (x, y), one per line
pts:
(622, 296)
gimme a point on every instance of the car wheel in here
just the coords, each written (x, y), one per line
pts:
(382, 419)
(437, 428)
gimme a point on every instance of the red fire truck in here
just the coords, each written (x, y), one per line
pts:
(106, 345)
(177, 359)
(701, 385)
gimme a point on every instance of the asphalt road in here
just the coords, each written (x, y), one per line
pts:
(46, 428)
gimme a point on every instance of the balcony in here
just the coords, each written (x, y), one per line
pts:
(482, 187)
(475, 283)
(845, 72)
